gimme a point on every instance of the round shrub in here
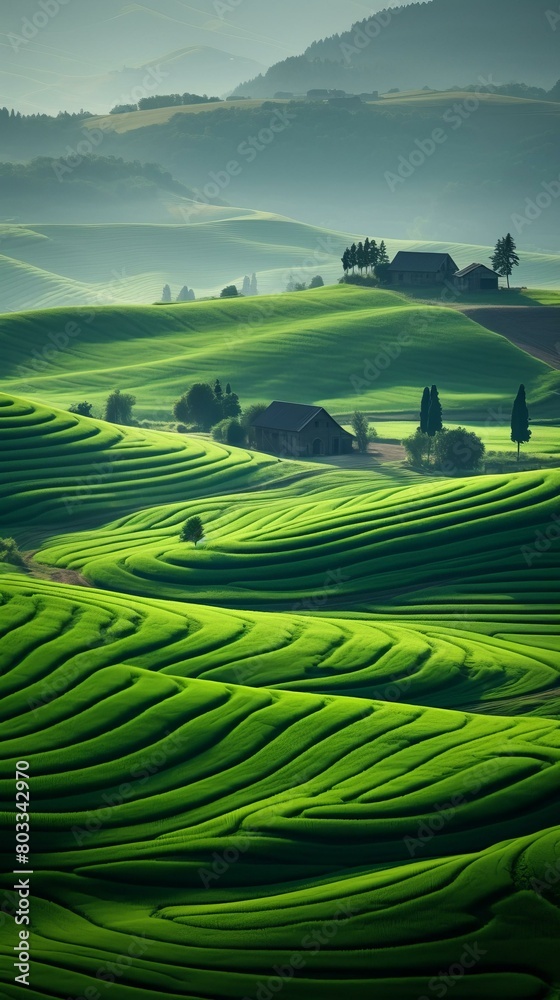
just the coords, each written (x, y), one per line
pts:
(229, 431)
(457, 451)
(181, 429)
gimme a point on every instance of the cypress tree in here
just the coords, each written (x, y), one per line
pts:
(424, 411)
(520, 433)
(353, 257)
(435, 413)
(367, 254)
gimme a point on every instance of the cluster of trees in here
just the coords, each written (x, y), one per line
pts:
(164, 101)
(458, 450)
(185, 295)
(205, 406)
(505, 258)
(117, 408)
(302, 286)
(367, 256)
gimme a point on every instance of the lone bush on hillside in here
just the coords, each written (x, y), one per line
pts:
(9, 552)
(84, 409)
(198, 406)
(363, 431)
(192, 530)
(118, 407)
(229, 292)
(229, 431)
(417, 448)
(457, 451)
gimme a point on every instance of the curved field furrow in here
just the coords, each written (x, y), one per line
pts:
(60, 635)
(222, 831)
(480, 545)
(56, 465)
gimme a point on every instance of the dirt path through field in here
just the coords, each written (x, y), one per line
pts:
(535, 329)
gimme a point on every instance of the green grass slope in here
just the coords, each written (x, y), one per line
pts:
(46, 265)
(209, 832)
(377, 350)
(81, 630)
(485, 545)
(56, 467)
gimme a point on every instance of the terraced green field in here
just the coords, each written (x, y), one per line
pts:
(43, 266)
(57, 466)
(379, 351)
(354, 789)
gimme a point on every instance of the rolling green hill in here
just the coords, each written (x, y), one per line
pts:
(428, 550)
(377, 349)
(213, 834)
(221, 793)
(123, 264)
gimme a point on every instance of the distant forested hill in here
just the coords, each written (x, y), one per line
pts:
(439, 44)
(86, 188)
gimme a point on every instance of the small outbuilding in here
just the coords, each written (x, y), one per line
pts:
(426, 269)
(477, 278)
(300, 430)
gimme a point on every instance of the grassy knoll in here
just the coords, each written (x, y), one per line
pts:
(219, 828)
(471, 544)
(43, 266)
(379, 351)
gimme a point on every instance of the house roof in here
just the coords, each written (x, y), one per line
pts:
(475, 267)
(281, 416)
(409, 261)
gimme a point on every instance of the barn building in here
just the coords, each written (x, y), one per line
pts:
(477, 278)
(300, 430)
(421, 269)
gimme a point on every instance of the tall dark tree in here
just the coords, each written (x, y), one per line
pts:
(383, 257)
(520, 433)
(360, 257)
(435, 413)
(424, 411)
(353, 257)
(366, 253)
(373, 255)
(346, 265)
(230, 404)
(228, 389)
(505, 258)
(218, 391)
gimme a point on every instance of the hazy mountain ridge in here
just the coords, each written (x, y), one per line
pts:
(439, 44)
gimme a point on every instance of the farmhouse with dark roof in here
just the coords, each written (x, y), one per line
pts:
(477, 277)
(421, 268)
(429, 269)
(300, 430)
